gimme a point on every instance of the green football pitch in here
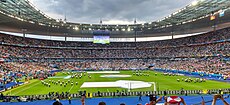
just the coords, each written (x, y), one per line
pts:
(35, 87)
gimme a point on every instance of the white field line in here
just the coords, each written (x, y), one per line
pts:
(155, 89)
(26, 88)
(107, 90)
(71, 88)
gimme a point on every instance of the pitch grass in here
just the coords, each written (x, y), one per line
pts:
(35, 87)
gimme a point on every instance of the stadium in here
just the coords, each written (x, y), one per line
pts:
(183, 58)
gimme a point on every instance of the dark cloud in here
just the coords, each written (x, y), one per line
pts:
(90, 11)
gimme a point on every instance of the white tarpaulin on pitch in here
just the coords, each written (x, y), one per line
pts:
(121, 83)
(115, 76)
(103, 72)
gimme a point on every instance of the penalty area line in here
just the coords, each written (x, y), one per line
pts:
(71, 88)
(154, 86)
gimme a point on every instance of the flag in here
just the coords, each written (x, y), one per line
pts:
(213, 17)
(1, 60)
(221, 14)
(101, 21)
(174, 100)
(205, 91)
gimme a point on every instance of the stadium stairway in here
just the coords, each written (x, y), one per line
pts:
(190, 100)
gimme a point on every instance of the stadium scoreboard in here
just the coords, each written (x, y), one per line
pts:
(101, 37)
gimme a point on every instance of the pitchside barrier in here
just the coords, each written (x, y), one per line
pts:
(132, 93)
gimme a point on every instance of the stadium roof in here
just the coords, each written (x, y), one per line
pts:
(196, 10)
(23, 10)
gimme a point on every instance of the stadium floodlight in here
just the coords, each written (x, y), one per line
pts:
(194, 3)
(128, 29)
(76, 28)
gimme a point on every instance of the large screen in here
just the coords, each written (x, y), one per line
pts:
(101, 39)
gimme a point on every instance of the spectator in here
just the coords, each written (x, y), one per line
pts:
(102, 103)
(57, 102)
(174, 100)
(154, 102)
(215, 98)
(69, 98)
(83, 100)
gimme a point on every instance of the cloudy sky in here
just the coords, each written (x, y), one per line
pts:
(110, 11)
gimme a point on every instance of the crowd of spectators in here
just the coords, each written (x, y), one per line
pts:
(216, 49)
(209, 66)
(207, 37)
(15, 72)
(176, 100)
(208, 44)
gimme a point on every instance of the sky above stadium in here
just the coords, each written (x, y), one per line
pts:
(109, 11)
